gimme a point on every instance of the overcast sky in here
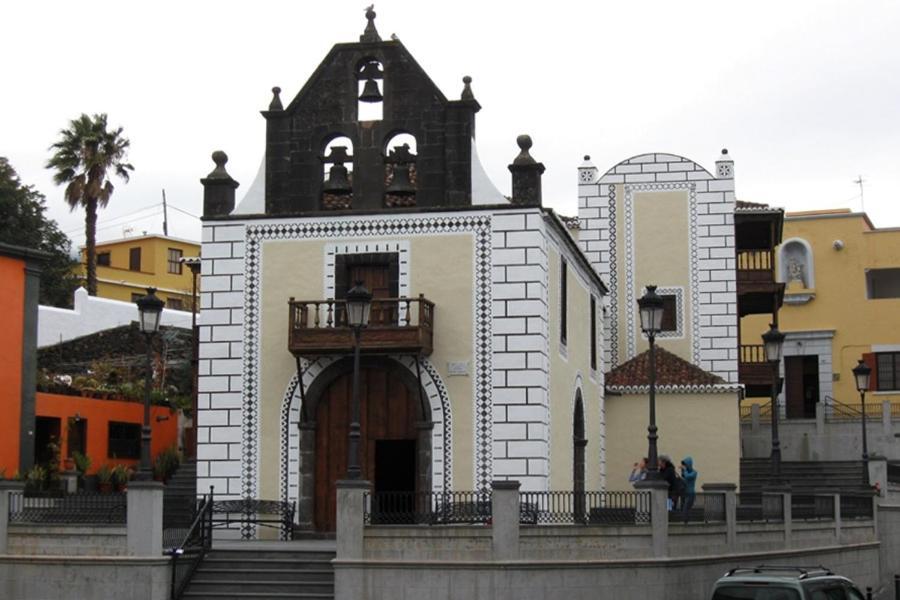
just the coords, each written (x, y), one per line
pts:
(805, 95)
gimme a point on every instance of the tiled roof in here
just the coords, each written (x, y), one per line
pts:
(570, 222)
(745, 206)
(671, 370)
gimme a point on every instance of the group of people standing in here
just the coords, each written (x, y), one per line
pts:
(682, 488)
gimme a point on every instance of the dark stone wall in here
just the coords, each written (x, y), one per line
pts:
(326, 108)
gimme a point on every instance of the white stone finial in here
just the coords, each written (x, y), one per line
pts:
(587, 172)
(725, 166)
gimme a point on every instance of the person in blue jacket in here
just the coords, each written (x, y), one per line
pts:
(689, 476)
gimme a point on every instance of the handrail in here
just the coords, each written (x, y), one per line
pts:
(201, 525)
(384, 312)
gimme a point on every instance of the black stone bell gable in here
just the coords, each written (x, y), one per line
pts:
(438, 173)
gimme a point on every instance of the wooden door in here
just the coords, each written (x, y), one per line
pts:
(793, 386)
(376, 279)
(388, 411)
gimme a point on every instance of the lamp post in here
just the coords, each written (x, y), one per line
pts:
(862, 373)
(150, 309)
(773, 342)
(359, 303)
(650, 307)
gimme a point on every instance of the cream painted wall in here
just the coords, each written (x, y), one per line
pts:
(662, 221)
(564, 369)
(703, 426)
(662, 218)
(840, 302)
(295, 268)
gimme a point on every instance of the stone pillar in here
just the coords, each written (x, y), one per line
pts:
(70, 481)
(877, 466)
(218, 188)
(886, 419)
(754, 417)
(659, 514)
(820, 419)
(728, 491)
(838, 524)
(7, 488)
(526, 175)
(505, 520)
(145, 518)
(350, 518)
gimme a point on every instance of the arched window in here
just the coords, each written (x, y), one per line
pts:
(337, 177)
(400, 175)
(796, 264)
(370, 99)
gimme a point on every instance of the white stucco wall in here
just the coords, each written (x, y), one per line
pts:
(91, 314)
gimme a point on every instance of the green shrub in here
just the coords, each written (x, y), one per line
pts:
(82, 462)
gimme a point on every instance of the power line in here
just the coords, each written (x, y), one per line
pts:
(181, 210)
(125, 216)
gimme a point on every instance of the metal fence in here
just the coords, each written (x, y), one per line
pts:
(431, 508)
(857, 506)
(703, 507)
(81, 508)
(247, 512)
(584, 508)
(812, 507)
(186, 556)
(761, 508)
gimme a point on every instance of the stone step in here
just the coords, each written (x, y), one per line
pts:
(242, 562)
(256, 595)
(317, 576)
(210, 586)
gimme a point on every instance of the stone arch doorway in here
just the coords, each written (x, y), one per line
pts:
(578, 442)
(396, 435)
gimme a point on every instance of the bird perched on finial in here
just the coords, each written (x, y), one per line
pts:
(394, 37)
(369, 8)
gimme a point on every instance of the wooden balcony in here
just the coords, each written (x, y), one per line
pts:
(758, 292)
(396, 325)
(754, 371)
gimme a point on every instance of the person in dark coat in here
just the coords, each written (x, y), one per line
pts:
(668, 474)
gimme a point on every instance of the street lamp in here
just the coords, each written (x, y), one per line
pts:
(773, 341)
(862, 373)
(359, 303)
(150, 310)
(650, 307)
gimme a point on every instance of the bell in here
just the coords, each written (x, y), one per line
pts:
(337, 182)
(371, 92)
(400, 184)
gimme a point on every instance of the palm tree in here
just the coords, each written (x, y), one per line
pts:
(82, 158)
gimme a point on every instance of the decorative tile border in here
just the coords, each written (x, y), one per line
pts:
(354, 228)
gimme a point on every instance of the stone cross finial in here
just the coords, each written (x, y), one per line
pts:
(275, 104)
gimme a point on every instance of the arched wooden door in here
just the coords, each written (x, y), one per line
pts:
(388, 417)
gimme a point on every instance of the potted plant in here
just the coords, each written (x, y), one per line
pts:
(166, 464)
(120, 476)
(82, 465)
(105, 479)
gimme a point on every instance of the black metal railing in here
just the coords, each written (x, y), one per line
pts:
(856, 506)
(705, 507)
(251, 511)
(430, 508)
(839, 411)
(583, 508)
(756, 507)
(186, 556)
(812, 507)
(81, 508)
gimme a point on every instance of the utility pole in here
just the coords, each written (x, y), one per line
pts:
(165, 215)
(862, 200)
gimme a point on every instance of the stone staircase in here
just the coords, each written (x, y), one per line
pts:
(264, 571)
(179, 503)
(805, 477)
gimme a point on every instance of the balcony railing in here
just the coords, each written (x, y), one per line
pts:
(403, 325)
(753, 368)
(756, 266)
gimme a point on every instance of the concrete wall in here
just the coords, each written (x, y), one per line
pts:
(67, 540)
(92, 314)
(821, 438)
(676, 578)
(82, 577)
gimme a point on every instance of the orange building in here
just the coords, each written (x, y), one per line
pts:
(107, 431)
(20, 274)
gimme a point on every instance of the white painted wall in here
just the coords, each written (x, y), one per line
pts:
(92, 314)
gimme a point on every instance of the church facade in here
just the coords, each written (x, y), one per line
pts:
(482, 359)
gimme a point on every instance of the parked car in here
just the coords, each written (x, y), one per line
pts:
(775, 582)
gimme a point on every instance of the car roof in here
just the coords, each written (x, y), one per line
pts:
(787, 575)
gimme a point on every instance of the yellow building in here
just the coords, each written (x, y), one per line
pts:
(841, 304)
(127, 267)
